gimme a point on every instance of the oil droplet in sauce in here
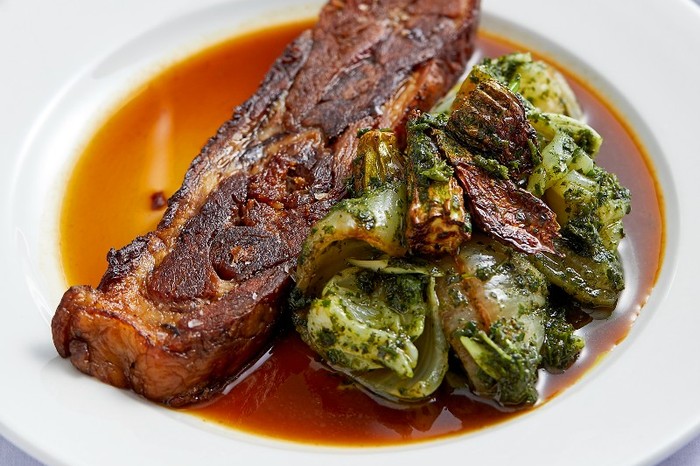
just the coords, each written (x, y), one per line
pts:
(138, 158)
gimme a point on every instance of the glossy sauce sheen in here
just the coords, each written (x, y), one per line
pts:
(140, 154)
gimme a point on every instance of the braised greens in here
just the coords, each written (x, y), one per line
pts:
(493, 309)
(458, 241)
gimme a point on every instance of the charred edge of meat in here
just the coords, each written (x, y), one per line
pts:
(180, 310)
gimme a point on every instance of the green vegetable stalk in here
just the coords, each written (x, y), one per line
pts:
(360, 226)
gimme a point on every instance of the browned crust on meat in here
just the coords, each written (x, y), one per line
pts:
(183, 309)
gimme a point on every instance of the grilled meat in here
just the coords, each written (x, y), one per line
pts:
(183, 309)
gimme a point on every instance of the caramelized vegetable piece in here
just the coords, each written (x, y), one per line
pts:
(437, 221)
(491, 120)
(378, 161)
(499, 207)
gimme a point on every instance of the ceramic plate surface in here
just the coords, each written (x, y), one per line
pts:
(66, 64)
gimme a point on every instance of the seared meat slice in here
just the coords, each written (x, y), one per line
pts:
(182, 310)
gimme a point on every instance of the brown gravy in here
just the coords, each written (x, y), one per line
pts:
(140, 154)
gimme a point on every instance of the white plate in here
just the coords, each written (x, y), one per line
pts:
(65, 63)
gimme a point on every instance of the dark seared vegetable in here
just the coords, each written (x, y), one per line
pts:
(491, 121)
(437, 221)
(499, 207)
(378, 161)
(493, 148)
